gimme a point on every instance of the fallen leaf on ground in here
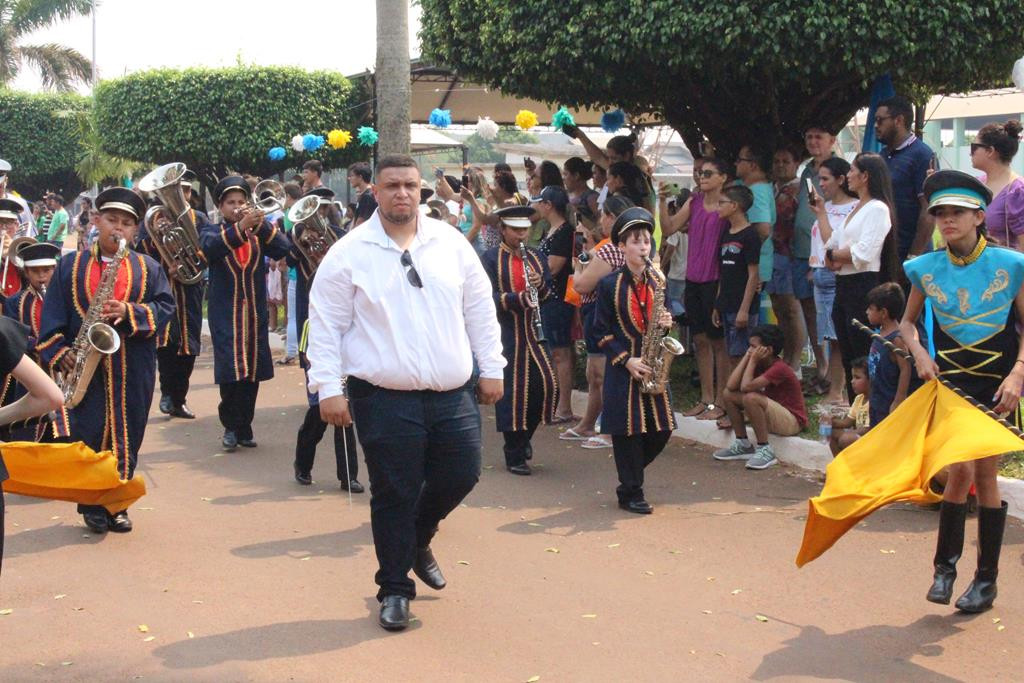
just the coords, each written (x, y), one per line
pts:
(533, 524)
(706, 611)
(711, 578)
(5, 612)
(55, 517)
(551, 550)
(197, 602)
(760, 617)
(720, 654)
(148, 639)
(60, 596)
(996, 620)
(887, 552)
(66, 663)
(533, 679)
(190, 634)
(614, 545)
(649, 573)
(737, 591)
(462, 562)
(588, 616)
(206, 499)
(78, 609)
(143, 628)
(675, 552)
(305, 558)
(1000, 628)
(146, 508)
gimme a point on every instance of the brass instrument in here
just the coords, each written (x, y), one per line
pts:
(313, 234)
(532, 296)
(275, 202)
(171, 226)
(657, 350)
(95, 338)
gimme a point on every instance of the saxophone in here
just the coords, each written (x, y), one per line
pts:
(531, 295)
(657, 350)
(95, 338)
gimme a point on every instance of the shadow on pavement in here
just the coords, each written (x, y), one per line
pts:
(871, 654)
(336, 544)
(32, 541)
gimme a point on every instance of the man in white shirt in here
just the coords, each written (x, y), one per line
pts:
(400, 308)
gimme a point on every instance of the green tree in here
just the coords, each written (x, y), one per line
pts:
(221, 120)
(94, 166)
(41, 145)
(60, 67)
(732, 73)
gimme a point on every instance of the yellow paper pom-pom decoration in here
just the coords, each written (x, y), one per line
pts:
(526, 119)
(339, 139)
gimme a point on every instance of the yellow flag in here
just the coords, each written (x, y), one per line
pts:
(895, 461)
(71, 472)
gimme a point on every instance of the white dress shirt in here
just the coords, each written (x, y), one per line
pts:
(366, 320)
(864, 233)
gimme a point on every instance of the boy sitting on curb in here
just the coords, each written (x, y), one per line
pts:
(764, 390)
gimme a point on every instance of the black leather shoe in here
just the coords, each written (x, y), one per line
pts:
(229, 441)
(119, 523)
(247, 443)
(394, 612)
(182, 411)
(426, 568)
(165, 404)
(304, 478)
(529, 451)
(522, 469)
(96, 520)
(354, 486)
(640, 507)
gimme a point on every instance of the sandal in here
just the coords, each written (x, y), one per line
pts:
(596, 442)
(696, 410)
(572, 435)
(564, 419)
(713, 412)
(723, 423)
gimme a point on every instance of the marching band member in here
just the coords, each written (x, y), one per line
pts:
(178, 343)
(976, 291)
(115, 408)
(640, 424)
(235, 249)
(531, 391)
(9, 221)
(313, 426)
(36, 262)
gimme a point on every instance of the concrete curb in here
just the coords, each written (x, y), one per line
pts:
(804, 453)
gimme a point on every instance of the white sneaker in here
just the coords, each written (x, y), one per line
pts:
(763, 458)
(736, 451)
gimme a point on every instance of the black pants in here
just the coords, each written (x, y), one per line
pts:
(850, 302)
(237, 406)
(1, 531)
(175, 373)
(422, 451)
(517, 446)
(632, 455)
(310, 433)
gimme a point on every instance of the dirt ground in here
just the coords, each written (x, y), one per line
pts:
(234, 572)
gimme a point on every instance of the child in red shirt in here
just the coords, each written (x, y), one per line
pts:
(765, 391)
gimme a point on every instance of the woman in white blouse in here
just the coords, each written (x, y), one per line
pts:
(862, 253)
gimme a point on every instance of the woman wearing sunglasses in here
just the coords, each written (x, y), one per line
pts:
(992, 152)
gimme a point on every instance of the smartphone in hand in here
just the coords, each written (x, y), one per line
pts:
(438, 173)
(810, 192)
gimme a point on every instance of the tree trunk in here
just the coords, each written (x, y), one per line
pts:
(392, 77)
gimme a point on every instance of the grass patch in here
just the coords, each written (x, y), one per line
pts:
(1013, 465)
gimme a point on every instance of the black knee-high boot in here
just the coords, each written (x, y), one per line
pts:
(982, 592)
(948, 549)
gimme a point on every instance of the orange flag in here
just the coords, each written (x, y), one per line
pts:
(69, 471)
(896, 460)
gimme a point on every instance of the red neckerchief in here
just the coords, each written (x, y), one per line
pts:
(96, 268)
(517, 266)
(244, 252)
(640, 299)
(36, 314)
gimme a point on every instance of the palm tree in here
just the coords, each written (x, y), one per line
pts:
(59, 66)
(95, 166)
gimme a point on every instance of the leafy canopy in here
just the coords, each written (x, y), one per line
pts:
(731, 72)
(216, 120)
(59, 66)
(41, 144)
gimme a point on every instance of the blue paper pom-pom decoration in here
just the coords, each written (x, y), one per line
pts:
(441, 118)
(276, 153)
(367, 136)
(611, 121)
(311, 142)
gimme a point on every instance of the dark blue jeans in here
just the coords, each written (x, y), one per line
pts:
(422, 451)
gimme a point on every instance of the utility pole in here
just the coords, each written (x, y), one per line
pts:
(392, 77)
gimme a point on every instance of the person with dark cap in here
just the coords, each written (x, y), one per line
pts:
(521, 282)
(10, 279)
(976, 292)
(235, 249)
(640, 424)
(114, 411)
(36, 262)
(313, 426)
(178, 342)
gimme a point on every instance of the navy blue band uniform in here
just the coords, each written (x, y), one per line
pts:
(113, 414)
(531, 388)
(620, 321)
(27, 308)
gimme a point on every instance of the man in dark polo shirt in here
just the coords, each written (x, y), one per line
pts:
(909, 159)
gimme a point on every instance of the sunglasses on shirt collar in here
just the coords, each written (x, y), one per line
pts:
(411, 274)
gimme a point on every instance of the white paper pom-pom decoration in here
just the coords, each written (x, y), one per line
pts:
(486, 129)
(298, 144)
(1018, 74)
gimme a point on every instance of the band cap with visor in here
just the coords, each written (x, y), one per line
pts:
(122, 199)
(956, 188)
(516, 216)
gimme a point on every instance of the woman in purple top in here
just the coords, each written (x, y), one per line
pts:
(699, 219)
(991, 153)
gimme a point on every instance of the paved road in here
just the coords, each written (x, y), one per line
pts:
(238, 573)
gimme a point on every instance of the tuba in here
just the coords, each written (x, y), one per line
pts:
(95, 338)
(171, 225)
(657, 349)
(313, 234)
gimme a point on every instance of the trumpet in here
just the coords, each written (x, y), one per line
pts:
(273, 201)
(313, 234)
